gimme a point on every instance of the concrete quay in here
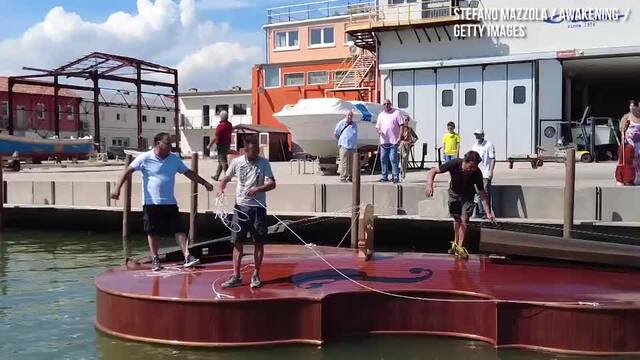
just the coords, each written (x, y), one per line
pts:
(521, 193)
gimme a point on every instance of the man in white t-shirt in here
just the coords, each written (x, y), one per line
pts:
(254, 179)
(488, 154)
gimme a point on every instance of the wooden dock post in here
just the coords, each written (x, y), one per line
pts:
(126, 213)
(365, 232)
(355, 198)
(193, 211)
(569, 191)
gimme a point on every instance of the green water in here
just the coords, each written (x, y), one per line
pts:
(47, 308)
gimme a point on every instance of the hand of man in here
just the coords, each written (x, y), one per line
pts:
(115, 195)
(429, 191)
(491, 217)
(252, 192)
(208, 186)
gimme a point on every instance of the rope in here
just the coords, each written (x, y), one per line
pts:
(312, 247)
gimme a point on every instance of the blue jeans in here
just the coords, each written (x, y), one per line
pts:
(479, 208)
(449, 157)
(388, 153)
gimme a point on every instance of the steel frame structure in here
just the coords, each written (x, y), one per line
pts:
(101, 66)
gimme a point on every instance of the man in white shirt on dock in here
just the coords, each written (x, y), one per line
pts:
(160, 210)
(488, 154)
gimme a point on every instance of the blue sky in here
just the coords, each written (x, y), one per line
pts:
(213, 43)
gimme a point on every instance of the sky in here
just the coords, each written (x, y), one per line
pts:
(212, 43)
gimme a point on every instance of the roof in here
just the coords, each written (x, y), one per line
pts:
(215, 93)
(259, 129)
(36, 90)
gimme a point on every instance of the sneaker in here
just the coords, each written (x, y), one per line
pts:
(396, 180)
(255, 281)
(384, 180)
(233, 281)
(452, 250)
(343, 180)
(155, 264)
(191, 261)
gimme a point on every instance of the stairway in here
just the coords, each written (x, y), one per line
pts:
(360, 66)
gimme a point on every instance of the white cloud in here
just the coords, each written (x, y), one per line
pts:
(225, 4)
(161, 31)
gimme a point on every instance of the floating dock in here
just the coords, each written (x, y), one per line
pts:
(556, 307)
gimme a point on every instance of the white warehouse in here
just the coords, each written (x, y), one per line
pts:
(513, 87)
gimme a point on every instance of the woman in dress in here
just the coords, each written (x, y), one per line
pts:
(407, 139)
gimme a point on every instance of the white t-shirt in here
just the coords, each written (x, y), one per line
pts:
(250, 174)
(487, 152)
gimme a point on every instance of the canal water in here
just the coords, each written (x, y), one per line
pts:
(47, 308)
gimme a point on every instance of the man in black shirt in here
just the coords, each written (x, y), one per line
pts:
(466, 180)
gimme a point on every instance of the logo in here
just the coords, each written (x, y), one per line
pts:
(576, 18)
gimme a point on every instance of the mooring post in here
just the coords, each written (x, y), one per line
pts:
(355, 203)
(366, 222)
(193, 212)
(126, 213)
(569, 191)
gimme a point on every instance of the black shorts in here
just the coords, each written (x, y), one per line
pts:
(162, 220)
(460, 208)
(251, 220)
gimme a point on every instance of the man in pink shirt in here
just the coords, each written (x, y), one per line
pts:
(389, 126)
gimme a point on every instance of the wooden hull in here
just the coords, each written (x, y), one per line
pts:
(563, 309)
(42, 149)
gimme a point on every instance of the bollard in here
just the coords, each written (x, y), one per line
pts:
(569, 191)
(193, 212)
(355, 203)
(126, 213)
(366, 222)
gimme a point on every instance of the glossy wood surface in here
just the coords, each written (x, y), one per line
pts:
(553, 307)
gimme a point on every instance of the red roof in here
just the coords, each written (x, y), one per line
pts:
(33, 89)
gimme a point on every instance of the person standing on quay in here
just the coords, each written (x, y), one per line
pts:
(160, 210)
(389, 126)
(487, 165)
(346, 132)
(222, 138)
(451, 143)
(407, 139)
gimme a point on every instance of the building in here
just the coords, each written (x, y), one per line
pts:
(200, 114)
(34, 112)
(309, 55)
(517, 88)
(119, 125)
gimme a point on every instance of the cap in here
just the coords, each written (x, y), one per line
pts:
(478, 132)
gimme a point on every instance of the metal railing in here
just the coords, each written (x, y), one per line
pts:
(196, 122)
(413, 12)
(318, 10)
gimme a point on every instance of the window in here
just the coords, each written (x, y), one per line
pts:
(470, 97)
(205, 115)
(348, 39)
(321, 36)
(221, 108)
(239, 109)
(318, 77)
(400, 2)
(264, 139)
(4, 109)
(69, 112)
(120, 141)
(40, 111)
(144, 118)
(117, 116)
(164, 119)
(294, 79)
(338, 75)
(447, 98)
(271, 76)
(158, 119)
(287, 40)
(519, 95)
(403, 100)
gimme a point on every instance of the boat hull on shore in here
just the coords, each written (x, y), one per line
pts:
(43, 149)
